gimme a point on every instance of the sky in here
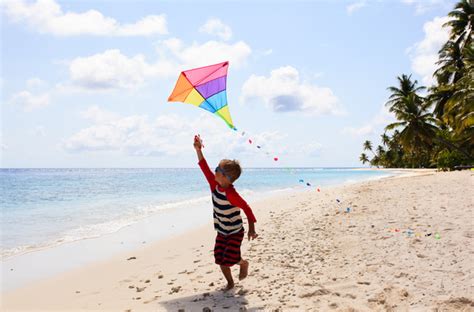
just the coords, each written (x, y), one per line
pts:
(85, 83)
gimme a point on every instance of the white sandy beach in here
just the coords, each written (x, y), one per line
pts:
(311, 255)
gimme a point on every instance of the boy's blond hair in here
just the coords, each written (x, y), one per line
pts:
(231, 168)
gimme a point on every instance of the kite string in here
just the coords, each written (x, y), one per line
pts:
(250, 140)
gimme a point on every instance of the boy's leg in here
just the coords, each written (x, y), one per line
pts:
(228, 276)
(244, 269)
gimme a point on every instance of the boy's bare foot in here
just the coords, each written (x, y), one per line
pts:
(228, 287)
(244, 269)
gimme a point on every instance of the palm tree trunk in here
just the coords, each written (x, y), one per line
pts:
(452, 146)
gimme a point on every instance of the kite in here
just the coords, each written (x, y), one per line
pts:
(205, 87)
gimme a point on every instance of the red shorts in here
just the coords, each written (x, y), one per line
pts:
(227, 248)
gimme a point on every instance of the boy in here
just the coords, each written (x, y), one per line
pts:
(227, 220)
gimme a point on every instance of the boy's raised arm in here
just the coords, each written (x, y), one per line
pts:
(198, 147)
(203, 163)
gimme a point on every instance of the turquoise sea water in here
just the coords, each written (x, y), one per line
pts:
(48, 207)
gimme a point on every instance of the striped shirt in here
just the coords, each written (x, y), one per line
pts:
(227, 219)
(227, 204)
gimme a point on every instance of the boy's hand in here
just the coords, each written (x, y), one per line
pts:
(252, 235)
(197, 142)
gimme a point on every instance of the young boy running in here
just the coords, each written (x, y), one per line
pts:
(227, 220)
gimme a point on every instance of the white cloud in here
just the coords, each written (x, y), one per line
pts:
(112, 69)
(424, 6)
(216, 27)
(35, 97)
(108, 70)
(29, 101)
(46, 16)
(424, 54)
(210, 52)
(134, 135)
(355, 6)
(283, 91)
(375, 125)
(167, 135)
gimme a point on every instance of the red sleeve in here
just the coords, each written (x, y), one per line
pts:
(208, 173)
(235, 199)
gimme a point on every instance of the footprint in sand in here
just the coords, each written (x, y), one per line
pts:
(319, 292)
(363, 283)
(175, 290)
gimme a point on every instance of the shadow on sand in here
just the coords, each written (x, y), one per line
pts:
(218, 300)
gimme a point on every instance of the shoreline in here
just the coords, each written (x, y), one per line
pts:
(65, 238)
(186, 262)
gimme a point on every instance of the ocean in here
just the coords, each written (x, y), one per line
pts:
(43, 208)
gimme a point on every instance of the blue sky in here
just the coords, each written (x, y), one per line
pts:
(85, 83)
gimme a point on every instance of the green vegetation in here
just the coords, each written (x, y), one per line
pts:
(436, 129)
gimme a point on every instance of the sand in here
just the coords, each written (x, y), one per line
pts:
(404, 245)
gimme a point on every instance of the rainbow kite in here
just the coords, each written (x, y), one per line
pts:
(205, 87)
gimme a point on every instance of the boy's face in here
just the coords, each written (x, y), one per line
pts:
(221, 177)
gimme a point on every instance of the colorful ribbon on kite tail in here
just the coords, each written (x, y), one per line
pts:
(250, 140)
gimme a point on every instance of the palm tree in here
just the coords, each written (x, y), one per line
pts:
(418, 131)
(380, 150)
(462, 23)
(460, 106)
(375, 161)
(417, 122)
(381, 155)
(368, 146)
(363, 158)
(453, 55)
(454, 97)
(390, 158)
(412, 112)
(385, 139)
(451, 63)
(406, 88)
